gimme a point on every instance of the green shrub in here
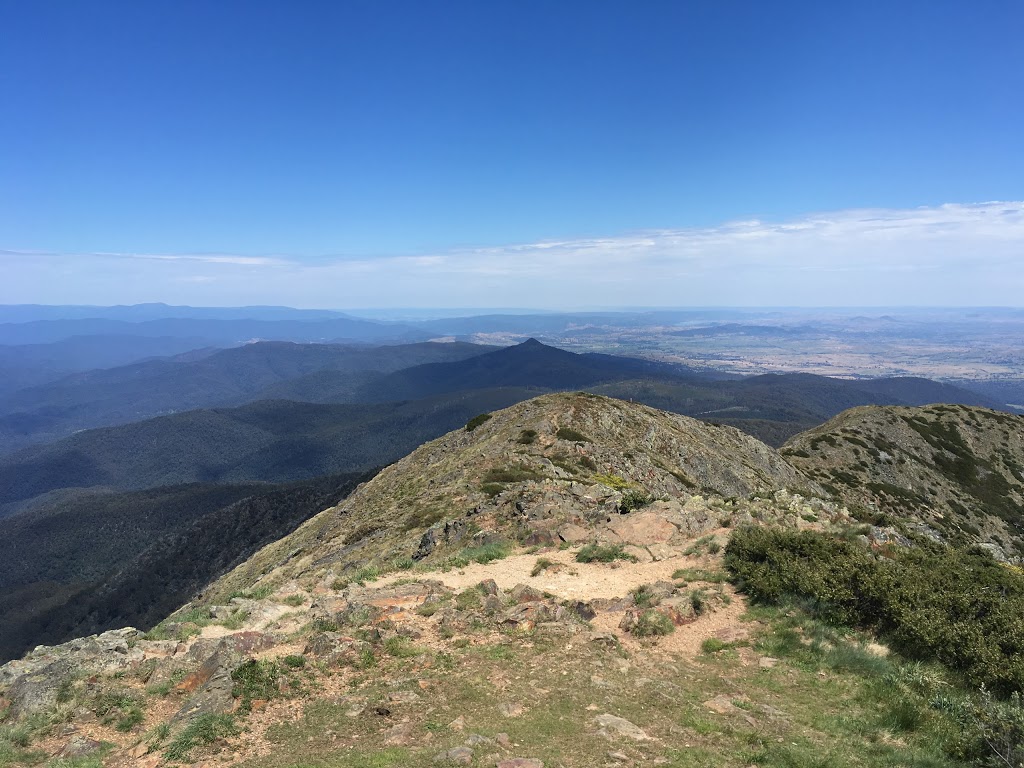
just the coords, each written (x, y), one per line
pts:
(699, 602)
(603, 553)
(365, 574)
(713, 645)
(119, 707)
(632, 500)
(527, 436)
(294, 661)
(566, 433)
(476, 421)
(643, 596)
(516, 473)
(236, 619)
(468, 599)
(323, 625)
(653, 623)
(957, 606)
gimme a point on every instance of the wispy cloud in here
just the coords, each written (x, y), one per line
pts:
(949, 254)
(207, 258)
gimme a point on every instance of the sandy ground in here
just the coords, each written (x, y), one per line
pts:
(587, 581)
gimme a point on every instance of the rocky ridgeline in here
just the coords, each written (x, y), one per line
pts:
(537, 468)
(951, 472)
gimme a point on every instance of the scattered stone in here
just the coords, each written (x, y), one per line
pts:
(607, 639)
(400, 735)
(522, 593)
(621, 757)
(457, 755)
(583, 609)
(511, 709)
(541, 539)
(573, 534)
(493, 604)
(403, 697)
(489, 587)
(521, 762)
(475, 740)
(610, 726)
(79, 746)
(527, 616)
(503, 740)
(733, 634)
(458, 724)
(721, 704)
(662, 552)
(139, 750)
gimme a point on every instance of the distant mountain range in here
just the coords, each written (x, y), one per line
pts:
(284, 440)
(217, 332)
(278, 370)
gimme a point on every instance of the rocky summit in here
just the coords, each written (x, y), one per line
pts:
(544, 587)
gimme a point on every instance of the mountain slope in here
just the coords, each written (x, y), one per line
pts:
(957, 469)
(570, 456)
(231, 377)
(98, 562)
(269, 441)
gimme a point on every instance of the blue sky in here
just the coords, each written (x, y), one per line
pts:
(550, 154)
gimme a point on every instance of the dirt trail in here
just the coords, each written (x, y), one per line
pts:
(574, 581)
(587, 581)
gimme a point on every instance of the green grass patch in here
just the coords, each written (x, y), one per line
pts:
(202, 731)
(613, 481)
(653, 624)
(603, 553)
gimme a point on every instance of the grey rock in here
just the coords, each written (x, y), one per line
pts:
(611, 726)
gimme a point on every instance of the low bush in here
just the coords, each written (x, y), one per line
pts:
(476, 421)
(527, 436)
(644, 596)
(633, 500)
(957, 606)
(567, 433)
(652, 624)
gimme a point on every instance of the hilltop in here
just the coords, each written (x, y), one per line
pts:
(551, 461)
